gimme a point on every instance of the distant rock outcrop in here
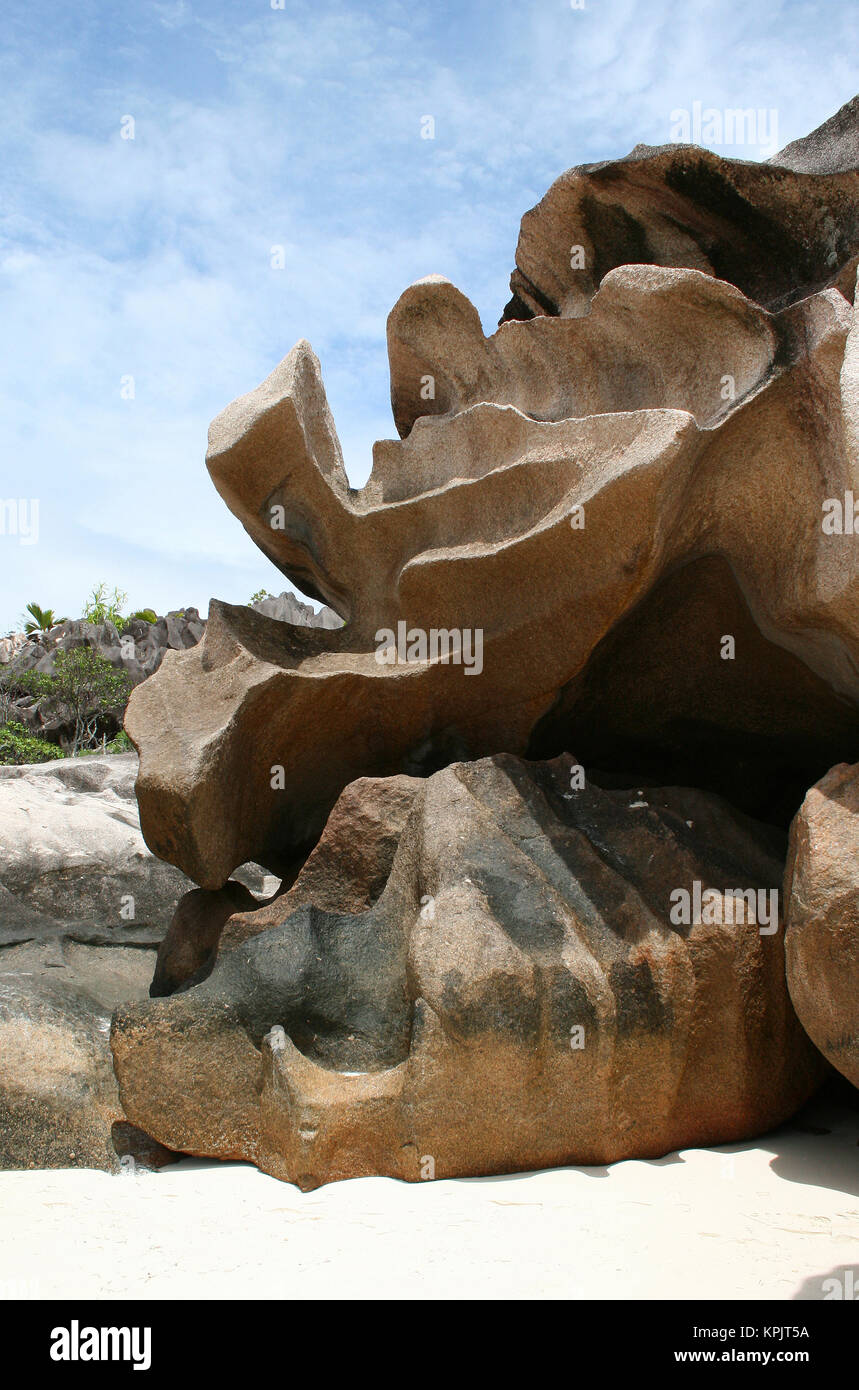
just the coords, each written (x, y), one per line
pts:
(286, 608)
(137, 649)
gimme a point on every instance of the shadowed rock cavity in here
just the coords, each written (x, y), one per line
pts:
(346, 872)
(659, 703)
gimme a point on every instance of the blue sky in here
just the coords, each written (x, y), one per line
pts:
(297, 127)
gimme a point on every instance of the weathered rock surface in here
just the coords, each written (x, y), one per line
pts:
(71, 848)
(346, 872)
(778, 231)
(822, 915)
(629, 352)
(441, 1023)
(58, 1094)
(83, 905)
(471, 524)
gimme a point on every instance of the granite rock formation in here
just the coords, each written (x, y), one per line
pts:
(71, 851)
(821, 897)
(59, 1102)
(622, 524)
(286, 608)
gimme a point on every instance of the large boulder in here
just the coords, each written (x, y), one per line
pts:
(466, 528)
(531, 988)
(822, 914)
(71, 848)
(83, 907)
(59, 1103)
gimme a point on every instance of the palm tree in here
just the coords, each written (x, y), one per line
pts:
(42, 619)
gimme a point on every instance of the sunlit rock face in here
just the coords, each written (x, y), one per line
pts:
(623, 524)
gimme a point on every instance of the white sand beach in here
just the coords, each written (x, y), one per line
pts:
(769, 1219)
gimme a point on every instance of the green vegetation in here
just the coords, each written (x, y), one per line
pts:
(18, 745)
(41, 619)
(81, 701)
(85, 689)
(120, 743)
(103, 607)
(84, 692)
(258, 596)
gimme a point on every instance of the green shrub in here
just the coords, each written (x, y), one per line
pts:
(84, 691)
(145, 615)
(18, 745)
(102, 607)
(17, 683)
